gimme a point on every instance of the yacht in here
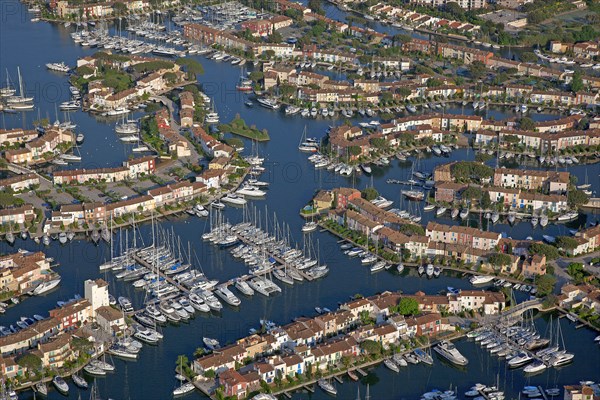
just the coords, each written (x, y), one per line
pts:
(378, 266)
(58, 67)
(80, 138)
(60, 385)
(197, 302)
(263, 286)
(183, 389)
(481, 279)
(125, 304)
(423, 357)
(309, 226)
(519, 360)
(268, 103)
(440, 211)
(416, 195)
(251, 191)
(224, 293)
(535, 367)
(391, 365)
(448, 351)
(211, 343)
(45, 287)
(429, 270)
(70, 105)
(232, 198)
(327, 387)
(568, 216)
(243, 287)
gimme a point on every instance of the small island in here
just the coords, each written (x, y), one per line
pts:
(238, 127)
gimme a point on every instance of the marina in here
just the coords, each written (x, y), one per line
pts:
(253, 256)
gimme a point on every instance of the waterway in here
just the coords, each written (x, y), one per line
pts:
(293, 182)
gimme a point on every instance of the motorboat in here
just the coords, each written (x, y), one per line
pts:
(429, 270)
(535, 367)
(58, 67)
(243, 287)
(60, 385)
(481, 279)
(232, 198)
(125, 304)
(391, 365)
(211, 343)
(224, 293)
(440, 211)
(378, 266)
(198, 303)
(45, 287)
(519, 360)
(447, 350)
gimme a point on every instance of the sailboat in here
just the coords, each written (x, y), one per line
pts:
(183, 388)
(20, 102)
(7, 90)
(306, 146)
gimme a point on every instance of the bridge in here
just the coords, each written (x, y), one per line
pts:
(521, 308)
(594, 202)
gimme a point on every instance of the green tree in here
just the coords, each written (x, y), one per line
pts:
(566, 242)
(499, 260)
(577, 82)
(486, 201)
(30, 361)
(545, 284)
(190, 65)
(477, 70)
(369, 193)
(576, 271)
(550, 252)
(577, 198)
(371, 347)
(526, 124)
(408, 306)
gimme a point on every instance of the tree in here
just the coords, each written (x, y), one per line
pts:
(499, 260)
(315, 6)
(550, 252)
(545, 284)
(354, 150)
(477, 69)
(486, 201)
(119, 8)
(577, 82)
(30, 362)
(472, 192)
(526, 124)
(408, 306)
(369, 193)
(275, 37)
(191, 66)
(371, 347)
(566, 242)
(576, 271)
(528, 57)
(577, 198)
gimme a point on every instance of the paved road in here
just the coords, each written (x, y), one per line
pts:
(561, 265)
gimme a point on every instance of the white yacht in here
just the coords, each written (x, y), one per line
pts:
(243, 287)
(309, 226)
(481, 279)
(211, 343)
(520, 360)
(448, 351)
(197, 302)
(251, 191)
(45, 287)
(227, 295)
(232, 198)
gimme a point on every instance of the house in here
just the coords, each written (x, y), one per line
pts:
(330, 354)
(579, 392)
(427, 324)
(237, 385)
(72, 314)
(110, 319)
(534, 265)
(462, 235)
(56, 352)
